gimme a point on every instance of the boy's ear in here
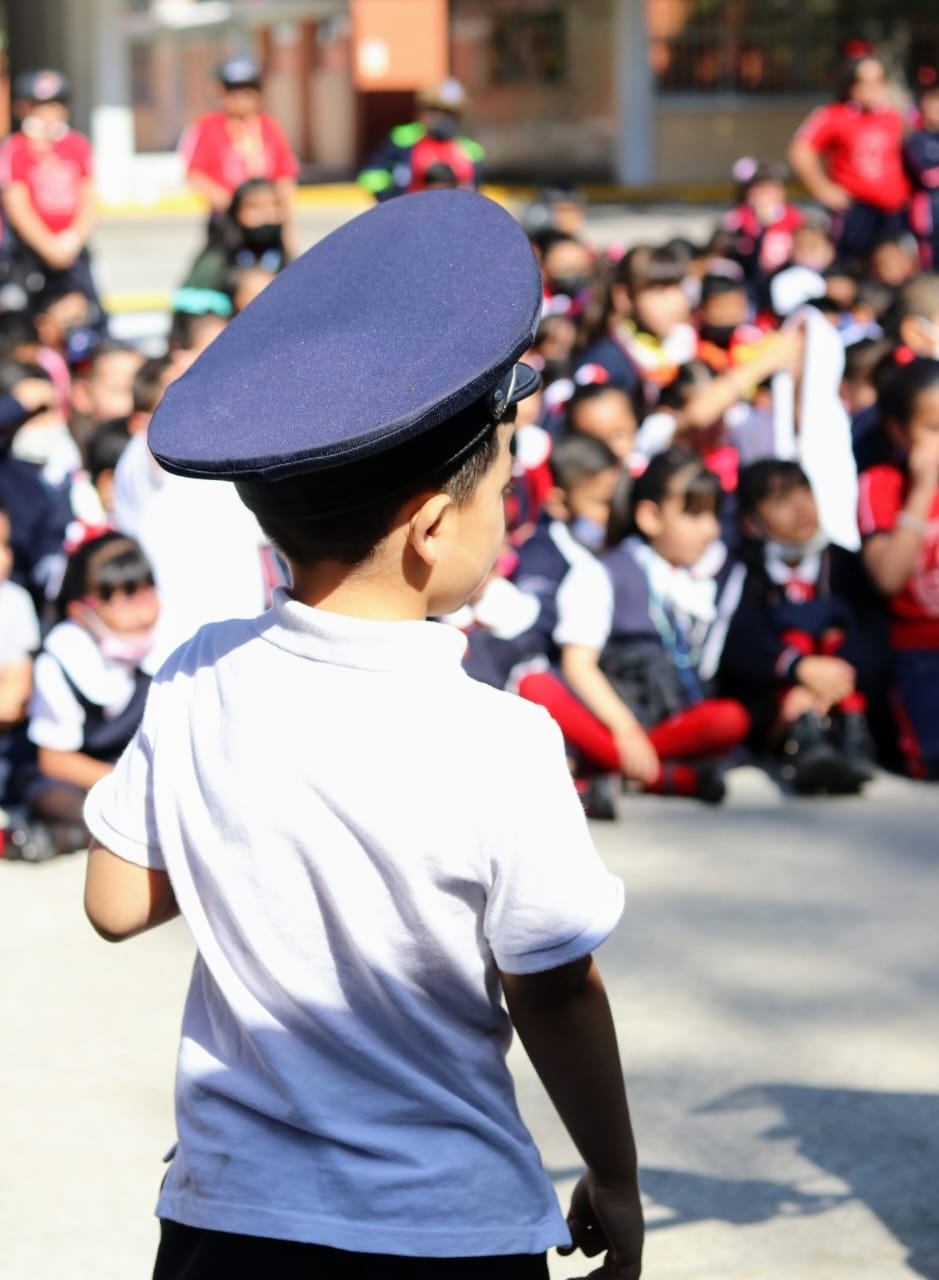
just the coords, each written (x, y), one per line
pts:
(425, 526)
(648, 517)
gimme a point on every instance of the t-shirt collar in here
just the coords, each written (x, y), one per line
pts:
(345, 641)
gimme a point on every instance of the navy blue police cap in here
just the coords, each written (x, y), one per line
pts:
(383, 355)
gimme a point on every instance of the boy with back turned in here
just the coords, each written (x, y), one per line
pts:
(338, 812)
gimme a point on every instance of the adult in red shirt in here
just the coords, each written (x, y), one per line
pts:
(849, 156)
(48, 192)
(224, 149)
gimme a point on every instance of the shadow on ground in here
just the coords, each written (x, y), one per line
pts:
(883, 1146)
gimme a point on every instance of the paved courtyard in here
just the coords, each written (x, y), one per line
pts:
(776, 989)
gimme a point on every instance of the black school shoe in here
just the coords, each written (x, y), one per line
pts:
(598, 796)
(855, 744)
(813, 765)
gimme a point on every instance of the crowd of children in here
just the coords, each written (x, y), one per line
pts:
(723, 529)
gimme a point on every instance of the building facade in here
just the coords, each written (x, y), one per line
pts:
(638, 91)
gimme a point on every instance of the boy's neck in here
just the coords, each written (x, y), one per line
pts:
(357, 594)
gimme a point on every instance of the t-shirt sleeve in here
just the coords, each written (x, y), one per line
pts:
(584, 606)
(14, 162)
(551, 900)
(285, 162)
(880, 500)
(56, 717)
(196, 150)
(119, 810)
(816, 132)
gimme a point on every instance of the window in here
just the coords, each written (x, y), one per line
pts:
(529, 48)
(771, 47)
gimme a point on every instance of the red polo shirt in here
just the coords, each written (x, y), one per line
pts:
(53, 173)
(862, 150)
(232, 151)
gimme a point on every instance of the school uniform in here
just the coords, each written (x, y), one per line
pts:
(342, 1063)
(789, 611)
(83, 701)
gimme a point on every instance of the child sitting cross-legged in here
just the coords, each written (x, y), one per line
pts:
(796, 645)
(89, 690)
(631, 700)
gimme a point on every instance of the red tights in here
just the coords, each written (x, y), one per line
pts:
(702, 732)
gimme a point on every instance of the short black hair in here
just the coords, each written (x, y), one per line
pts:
(148, 383)
(351, 537)
(768, 478)
(646, 267)
(717, 285)
(105, 445)
(580, 457)
(14, 371)
(585, 392)
(17, 328)
(900, 391)
(702, 493)
(99, 567)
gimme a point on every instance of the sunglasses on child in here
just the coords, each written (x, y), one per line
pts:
(120, 594)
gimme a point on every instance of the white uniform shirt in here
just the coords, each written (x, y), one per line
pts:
(56, 717)
(357, 834)
(203, 543)
(19, 626)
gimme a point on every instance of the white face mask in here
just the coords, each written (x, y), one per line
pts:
(40, 130)
(793, 552)
(130, 647)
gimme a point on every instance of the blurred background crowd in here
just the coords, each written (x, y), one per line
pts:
(723, 532)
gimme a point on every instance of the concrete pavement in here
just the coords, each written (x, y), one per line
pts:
(776, 995)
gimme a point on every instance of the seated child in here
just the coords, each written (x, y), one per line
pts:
(102, 454)
(89, 690)
(19, 640)
(572, 525)
(725, 329)
(631, 700)
(103, 387)
(567, 269)
(795, 645)
(249, 234)
(763, 222)
(894, 260)
(921, 154)
(899, 521)
(606, 411)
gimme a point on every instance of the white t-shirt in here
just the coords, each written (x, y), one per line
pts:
(357, 835)
(203, 543)
(19, 626)
(56, 717)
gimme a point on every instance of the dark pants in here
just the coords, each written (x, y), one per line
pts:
(860, 227)
(190, 1253)
(916, 703)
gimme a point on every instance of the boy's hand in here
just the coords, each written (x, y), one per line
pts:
(638, 758)
(830, 679)
(34, 394)
(607, 1219)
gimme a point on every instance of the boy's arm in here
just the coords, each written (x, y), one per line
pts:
(28, 225)
(123, 899)
(563, 1019)
(73, 767)
(16, 686)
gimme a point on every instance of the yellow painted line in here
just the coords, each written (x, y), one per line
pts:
(127, 302)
